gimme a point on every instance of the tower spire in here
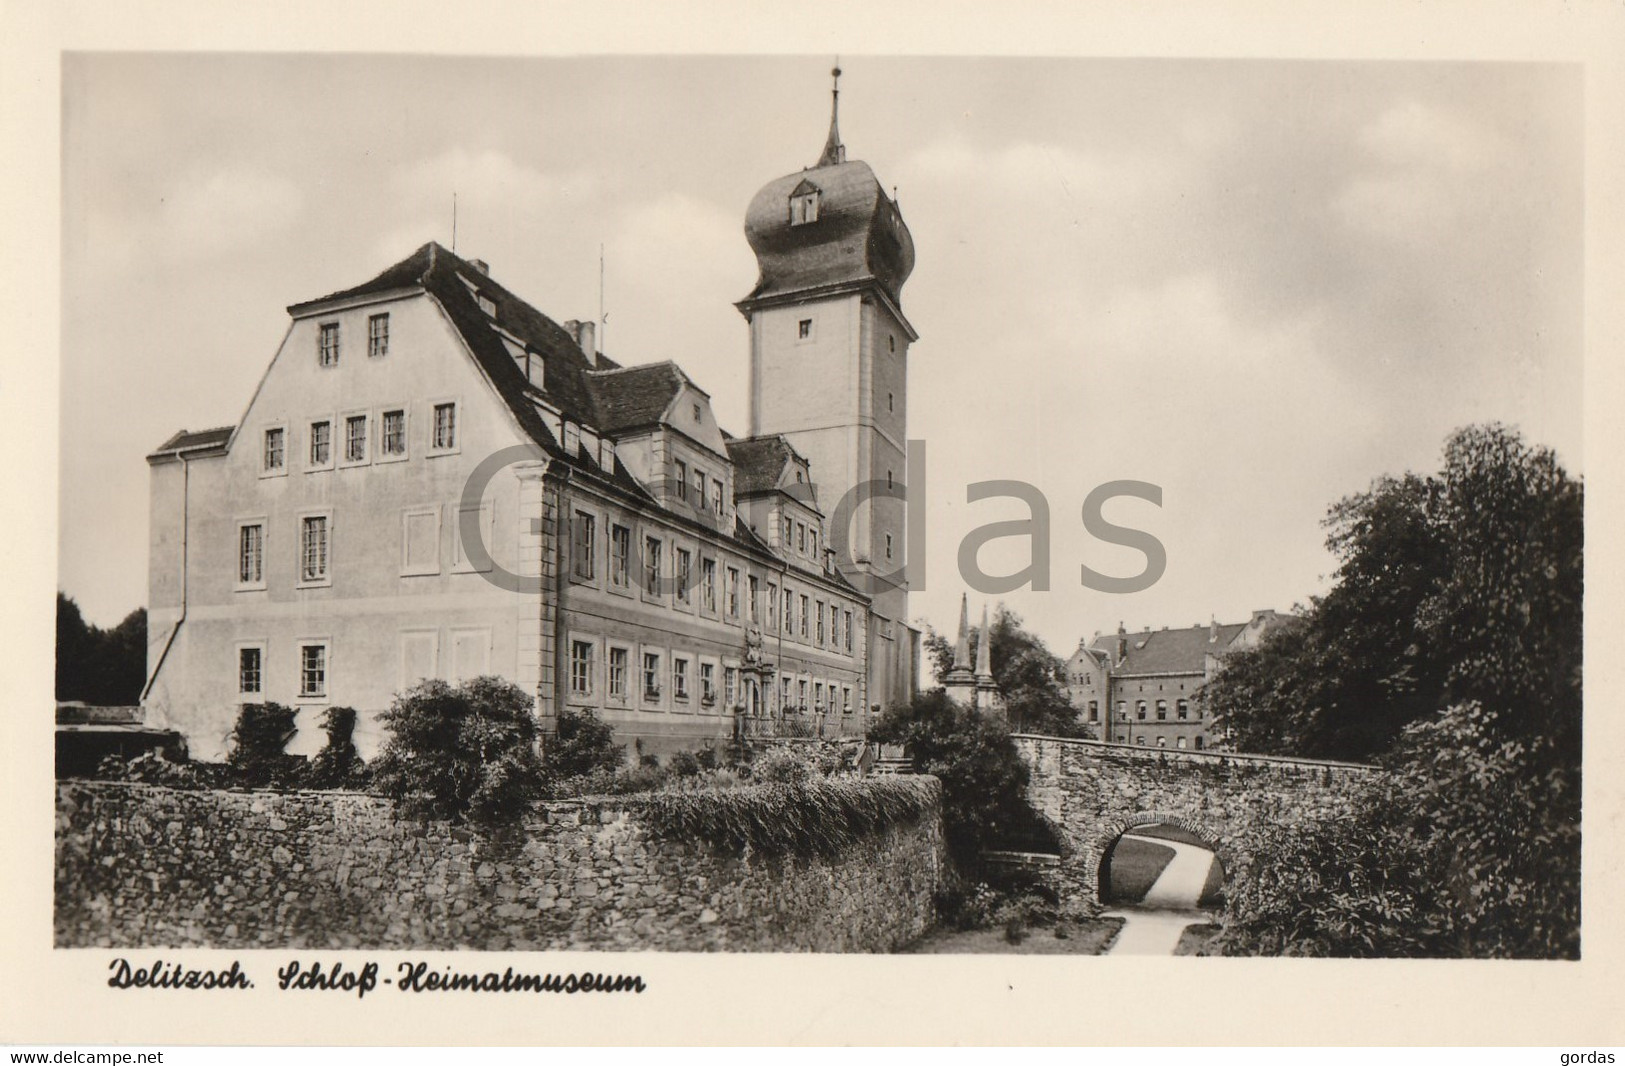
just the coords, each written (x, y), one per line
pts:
(834, 150)
(984, 651)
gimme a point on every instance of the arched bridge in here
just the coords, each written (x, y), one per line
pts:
(1091, 792)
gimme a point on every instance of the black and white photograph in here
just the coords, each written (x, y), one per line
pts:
(537, 517)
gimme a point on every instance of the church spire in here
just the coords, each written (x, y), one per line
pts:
(834, 150)
(984, 651)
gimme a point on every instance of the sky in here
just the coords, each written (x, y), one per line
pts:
(1258, 285)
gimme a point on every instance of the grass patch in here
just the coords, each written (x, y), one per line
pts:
(1134, 867)
(1195, 938)
(1089, 936)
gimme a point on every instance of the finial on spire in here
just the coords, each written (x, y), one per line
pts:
(834, 150)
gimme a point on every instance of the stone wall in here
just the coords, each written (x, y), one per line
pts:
(142, 866)
(1091, 791)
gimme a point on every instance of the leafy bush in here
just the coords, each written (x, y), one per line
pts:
(683, 764)
(338, 764)
(984, 778)
(582, 744)
(465, 752)
(257, 757)
(782, 765)
(818, 818)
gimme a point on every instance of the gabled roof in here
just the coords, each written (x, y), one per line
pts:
(759, 463)
(634, 397)
(188, 441)
(1170, 651)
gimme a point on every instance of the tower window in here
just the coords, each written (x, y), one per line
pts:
(804, 329)
(891, 343)
(888, 545)
(891, 402)
(804, 208)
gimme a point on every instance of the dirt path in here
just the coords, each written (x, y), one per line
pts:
(1169, 906)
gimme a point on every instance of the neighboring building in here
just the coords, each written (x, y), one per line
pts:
(617, 549)
(1144, 688)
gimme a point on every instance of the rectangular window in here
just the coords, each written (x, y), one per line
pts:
(801, 538)
(582, 541)
(804, 613)
(772, 601)
(327, 344)
(804, 329)
(250, 665)
(846, 699)
(617, 673)
(888, 545)
(708, 584)
(682, 565)
(679, 678)
(1122, 710)
(849, 631)
(251, 554)
(1183, 709)
(1199, 742)
(1162, 742)
(699, 487)
(313, 548)
(708, 683)
(789, 532)
(321, 444)
(620, 555)
(445, 427)
(820, 616)
(275, 454)
(784, 693)
(651, 675)
(801, 693)
(1094, 710)
(313, 670)
(394, 433)
(789, 612)
(818, 696)
(355, 439)
(651, 565)
(682, 480)
(580, 668)
(834, 626)
(716, 496)
(378, 335)
(730, 685)
(1139, 710)
(733, 592)
(1162, 710)
(1182, 743)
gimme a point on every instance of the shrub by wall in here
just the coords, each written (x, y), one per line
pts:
(146, 866)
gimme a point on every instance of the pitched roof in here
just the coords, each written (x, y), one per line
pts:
(186, 441)
(759, 463)
(634, 397)
(1170, 651)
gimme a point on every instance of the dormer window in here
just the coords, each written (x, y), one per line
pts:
(804, 204)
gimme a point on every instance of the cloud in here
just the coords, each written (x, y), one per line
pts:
(1426, 176)
(486, 179)
(1035, 169)
(215, 212)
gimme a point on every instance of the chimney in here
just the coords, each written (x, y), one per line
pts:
(585, 336)
(1212, 629)
(481, 265)
(1122, 643)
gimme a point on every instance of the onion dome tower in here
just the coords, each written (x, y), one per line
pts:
(829, 371)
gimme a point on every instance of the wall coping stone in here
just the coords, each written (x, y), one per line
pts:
(1155, 754)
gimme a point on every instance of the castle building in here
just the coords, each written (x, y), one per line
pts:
(1145, 688)
(433, 479)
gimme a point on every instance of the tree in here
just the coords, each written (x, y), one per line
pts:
(1028, 674)
(984, 778)
(1456, 617)
(464, 752)
(104, 667)
(582, 744)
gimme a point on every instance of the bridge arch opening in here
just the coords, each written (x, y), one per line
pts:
(1160, 860)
